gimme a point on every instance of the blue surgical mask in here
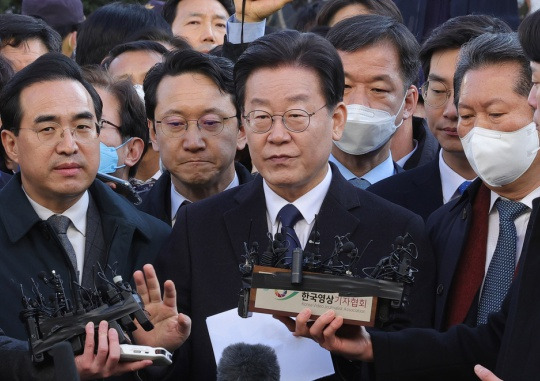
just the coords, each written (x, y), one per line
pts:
(108, 158)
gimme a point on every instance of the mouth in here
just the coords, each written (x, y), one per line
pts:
(279, 158)
(450, 131)
(68, 169)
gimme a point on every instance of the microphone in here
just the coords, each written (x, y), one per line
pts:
(247, 362)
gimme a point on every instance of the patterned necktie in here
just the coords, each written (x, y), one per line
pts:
(502, 266)
(289, 216)
(60, 225)
(360, 183)
(464, 185)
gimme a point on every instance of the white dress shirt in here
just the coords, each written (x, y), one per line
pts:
(76, 232)
(450, 180)
(308, 204)
(177, 199)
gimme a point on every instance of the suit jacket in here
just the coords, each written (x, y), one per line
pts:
(4, 178)
(206, 247)
(428, 147)
(448, 229)
(418, 189)
(157, 201)
(28, 246)
(509, 343)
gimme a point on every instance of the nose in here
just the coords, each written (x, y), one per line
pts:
(356, 96)
(68, 143)
(450, 110)
(207, 33)
(532, 99)
(278, 133)
(193, 139)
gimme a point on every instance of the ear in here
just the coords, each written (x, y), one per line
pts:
(72, 40)
(241, 139)
(339, 118)
(153, 138)
(411, 101)
(135, 149)
(9, 141)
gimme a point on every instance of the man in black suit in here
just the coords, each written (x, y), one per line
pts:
(426, 188)
(289, 88)
(508, 342)
(56, 216)
(196, 128)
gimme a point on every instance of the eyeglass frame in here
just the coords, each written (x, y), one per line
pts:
(223, 119)
(119, 128)
(63, 129)
(424, 89)
(246, 117)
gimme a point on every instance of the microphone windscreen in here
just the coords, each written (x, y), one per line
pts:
(246, 362)
(347, 247)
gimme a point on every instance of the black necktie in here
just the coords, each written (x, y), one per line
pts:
(289, 216)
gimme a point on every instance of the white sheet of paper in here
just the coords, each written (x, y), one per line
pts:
(299, 358)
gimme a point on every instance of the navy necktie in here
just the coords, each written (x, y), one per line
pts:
(360, 182)
(289, 216)
(60, 225)
(502, 266)
(464, 185)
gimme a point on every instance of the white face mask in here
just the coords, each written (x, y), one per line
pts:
(367, 129)
(500, 158)
(140, 91)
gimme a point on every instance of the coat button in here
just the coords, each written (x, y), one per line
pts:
(440, 289)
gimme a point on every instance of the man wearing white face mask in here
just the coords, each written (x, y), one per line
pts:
(380, 59)
(123, 124)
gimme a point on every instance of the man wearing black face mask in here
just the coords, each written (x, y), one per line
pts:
(380, 59)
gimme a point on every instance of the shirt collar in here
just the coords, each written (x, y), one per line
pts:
(76, 213)
(309, 204)
(380, 172)
(527, 200)
(450, 180)
(177, 199)
(401, 162)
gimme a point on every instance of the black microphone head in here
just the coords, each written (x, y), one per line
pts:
(246, 362)
(279, 237)
(347, 247)
(400, 241)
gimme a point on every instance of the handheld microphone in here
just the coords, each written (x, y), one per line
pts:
(247, 362)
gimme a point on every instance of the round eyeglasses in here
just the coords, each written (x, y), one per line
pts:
(175, 126)
(294, 120)
(435, 93)
(51, 133)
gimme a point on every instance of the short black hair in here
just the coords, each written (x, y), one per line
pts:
(6, 72)
(134, 46)
(292, 48)
(529, 36)
(218, 69)
(48, 67)
(362, 31)
(493, 49)
(169, 9)
(111, 25)
(456, 32)
(377, 7)
(132, 112)
(16, 29)
(161, 36)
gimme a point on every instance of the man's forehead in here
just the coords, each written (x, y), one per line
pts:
(59, 96)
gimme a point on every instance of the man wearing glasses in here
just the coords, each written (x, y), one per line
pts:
(195, 126)
(425, 189)
(56, 217)
(289, 89)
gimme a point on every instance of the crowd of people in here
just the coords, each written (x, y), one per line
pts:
(229, 131)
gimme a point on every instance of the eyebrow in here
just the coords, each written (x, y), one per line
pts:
(55, 118)
(293, 98)
(199, 14)
(204, 112)
(436, 77)
(485, 104)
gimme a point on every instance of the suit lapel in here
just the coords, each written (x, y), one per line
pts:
(251, 210)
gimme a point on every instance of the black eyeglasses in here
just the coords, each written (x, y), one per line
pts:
(294, 120)
(175, 126)
(435, 93)
(105, 121)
